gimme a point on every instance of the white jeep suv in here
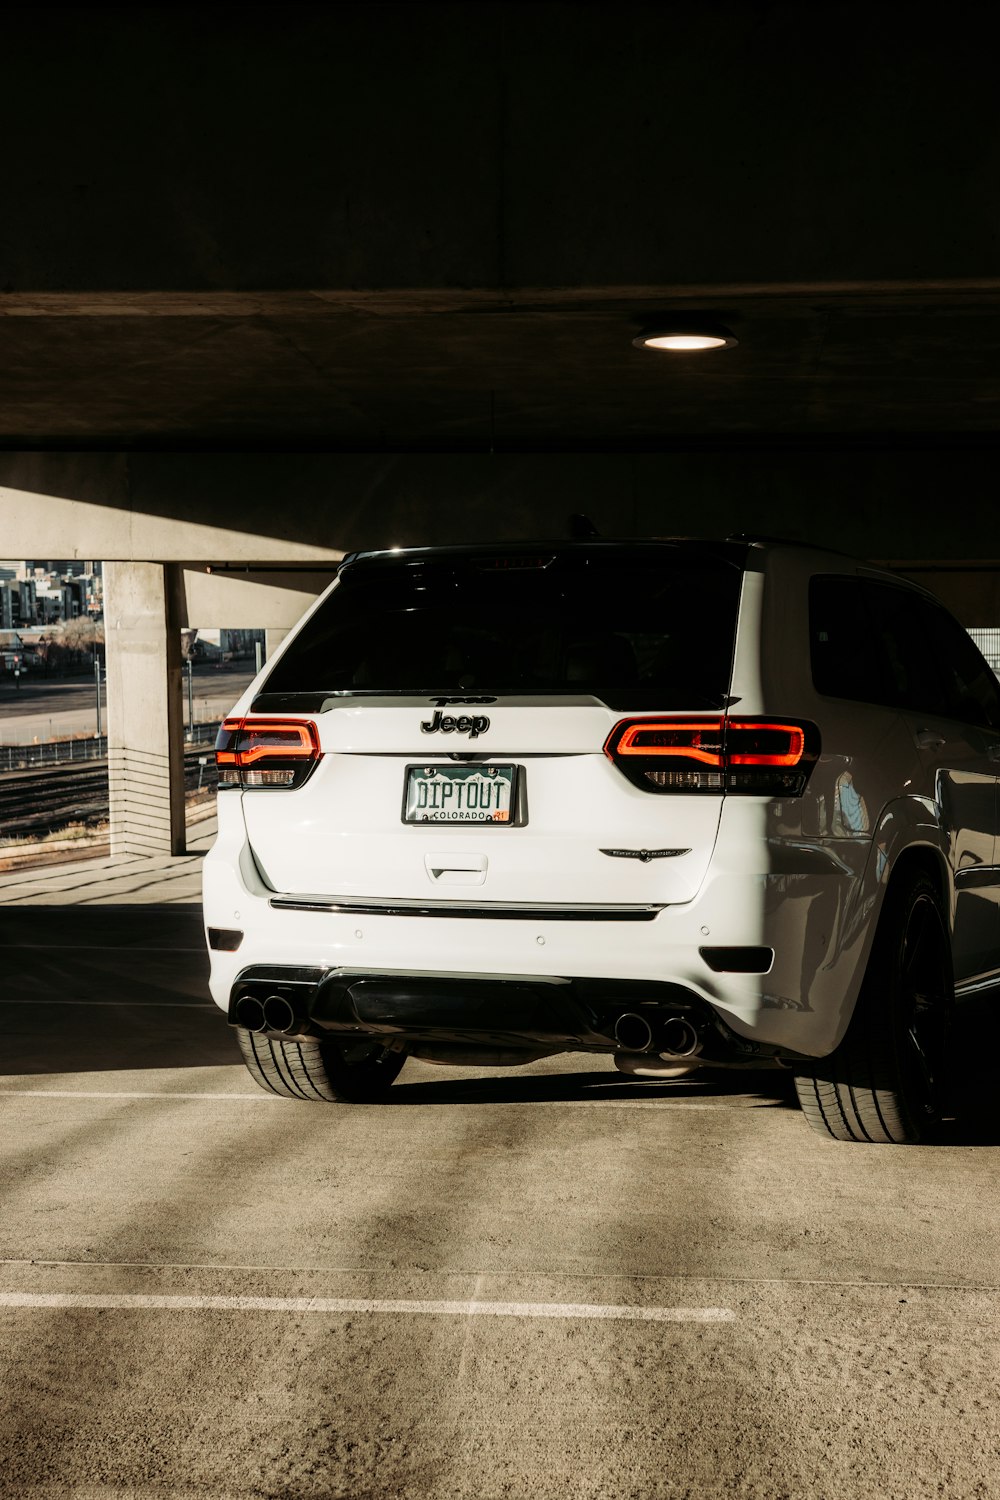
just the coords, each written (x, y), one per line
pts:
(682, 803)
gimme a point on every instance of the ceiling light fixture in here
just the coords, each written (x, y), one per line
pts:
(683, 337)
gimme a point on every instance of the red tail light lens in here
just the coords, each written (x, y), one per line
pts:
(749, 743)
(762, 757)
(266, 752)
(695, 741)
(669, 755)
(769, 759)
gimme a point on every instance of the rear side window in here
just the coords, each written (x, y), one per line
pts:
(879, 644)
(901, 636)
(971, 690)
(844, 664)
(636, 627)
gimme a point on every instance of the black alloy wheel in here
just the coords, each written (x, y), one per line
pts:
(885, 1082)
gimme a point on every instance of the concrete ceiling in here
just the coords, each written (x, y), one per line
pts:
(379, 227)
(457, 371)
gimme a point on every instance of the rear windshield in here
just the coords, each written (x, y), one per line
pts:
(650, 628)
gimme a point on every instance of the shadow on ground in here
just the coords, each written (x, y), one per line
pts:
(78, 1039)
(111, 988)
(758, 1090)
(974, 1116)
(124, 988)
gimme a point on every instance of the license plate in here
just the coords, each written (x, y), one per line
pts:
(460, 794)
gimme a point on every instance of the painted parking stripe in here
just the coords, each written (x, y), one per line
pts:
(472, 1309)
(130, 1094)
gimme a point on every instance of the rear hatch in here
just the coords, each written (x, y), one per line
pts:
(463, 700)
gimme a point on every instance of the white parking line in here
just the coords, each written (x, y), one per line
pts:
(129, 1094)
(584, 1310)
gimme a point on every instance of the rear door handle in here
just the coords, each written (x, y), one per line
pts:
(929, 739)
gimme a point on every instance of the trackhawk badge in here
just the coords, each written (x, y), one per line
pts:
(470, 724)
(644, 854)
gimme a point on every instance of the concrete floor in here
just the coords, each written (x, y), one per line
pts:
(127, 879)
(820, 1320)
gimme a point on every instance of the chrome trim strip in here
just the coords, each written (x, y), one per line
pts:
(989, 981)
(645, 854)
(969, 877)
(497, 912)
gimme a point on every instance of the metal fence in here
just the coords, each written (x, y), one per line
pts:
(988, 641)
(68, 752)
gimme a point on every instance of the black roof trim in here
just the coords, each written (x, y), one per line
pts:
(731, 550)
(759, 539)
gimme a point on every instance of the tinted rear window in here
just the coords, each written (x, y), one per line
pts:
(653, 627)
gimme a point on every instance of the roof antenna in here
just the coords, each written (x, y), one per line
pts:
(582, 529)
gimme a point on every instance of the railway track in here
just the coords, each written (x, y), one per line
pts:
(35, 803)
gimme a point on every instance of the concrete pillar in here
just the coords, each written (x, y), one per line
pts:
(145, 707)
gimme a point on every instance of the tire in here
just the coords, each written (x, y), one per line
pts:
(304, 1068)
(885, 1081)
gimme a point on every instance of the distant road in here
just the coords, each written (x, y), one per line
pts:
(55, 708)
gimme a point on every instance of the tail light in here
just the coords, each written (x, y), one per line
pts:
(266, 752)
(757, 757)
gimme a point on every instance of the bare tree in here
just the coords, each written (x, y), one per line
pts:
(82, 634)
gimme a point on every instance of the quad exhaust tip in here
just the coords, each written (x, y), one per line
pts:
(274, 1013)
(672, 1036)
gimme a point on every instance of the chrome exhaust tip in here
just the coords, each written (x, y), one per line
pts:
(249, 1013)
(633, 1032)
(678, 1038)
(279, 1014)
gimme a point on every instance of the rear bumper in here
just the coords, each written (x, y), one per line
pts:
(517, 1013)
(799, 1008)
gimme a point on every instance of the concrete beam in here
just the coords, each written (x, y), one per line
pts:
(242, 510)
(249, 600)
(302, 508)
(145, 709)
(85, 505)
